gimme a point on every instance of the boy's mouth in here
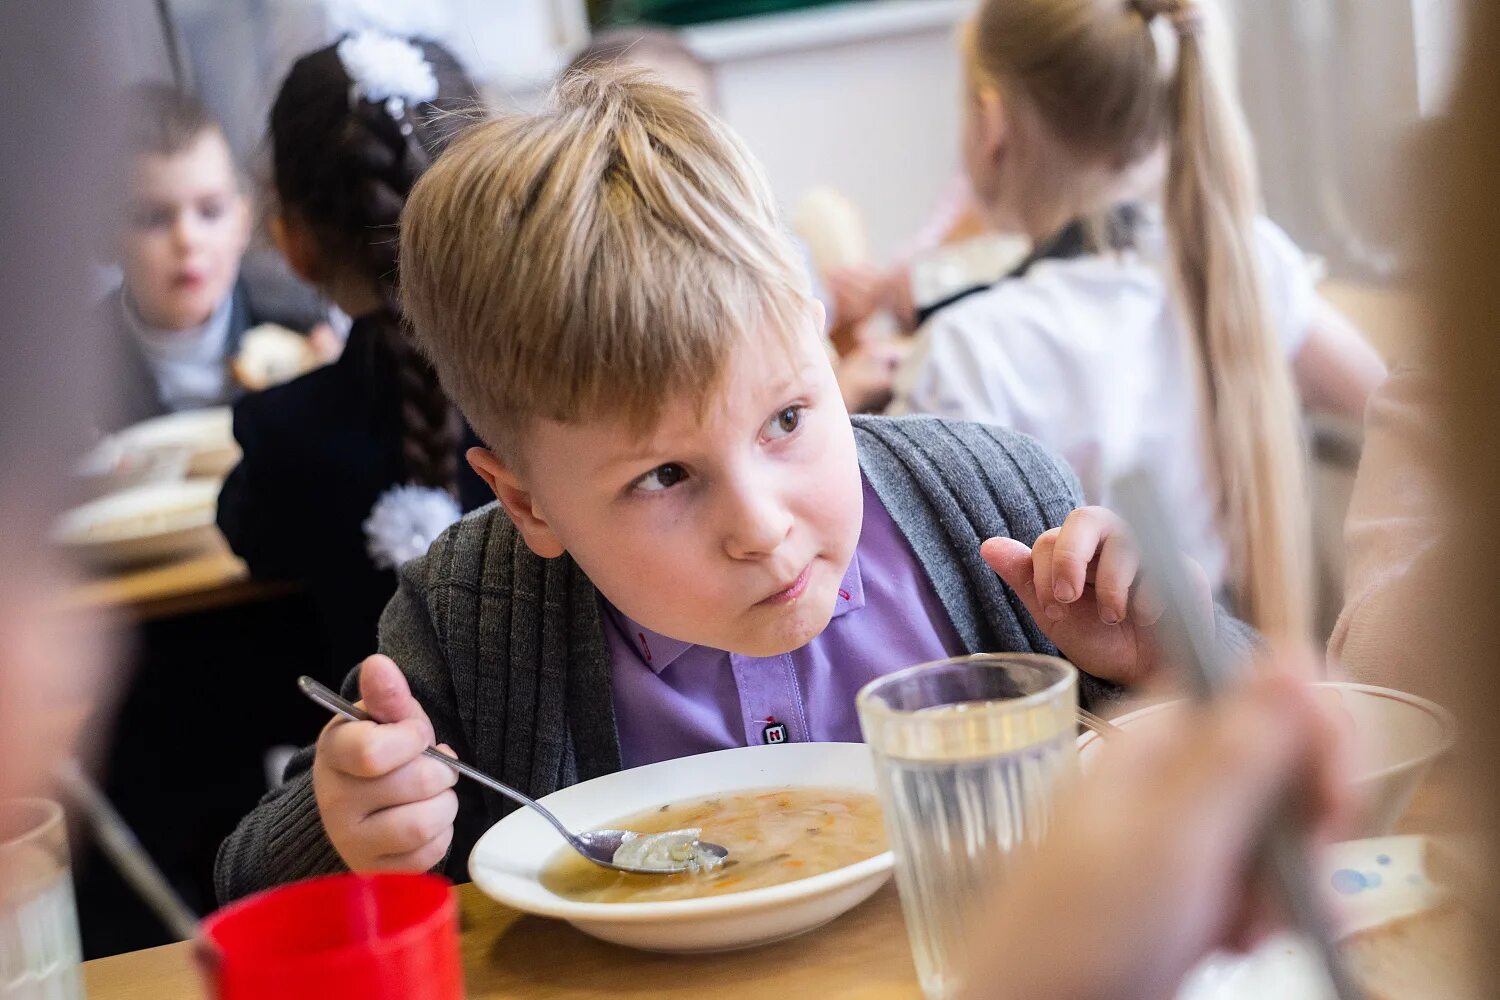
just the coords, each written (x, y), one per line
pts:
(794, 591)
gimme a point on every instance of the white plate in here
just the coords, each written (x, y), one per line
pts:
(142, 525)
(1370, 882)
(1397, 736)
(207, 435)
(508, 860)
(109, 468)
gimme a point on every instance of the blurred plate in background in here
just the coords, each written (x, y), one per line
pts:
(147, 524)
(207, 435)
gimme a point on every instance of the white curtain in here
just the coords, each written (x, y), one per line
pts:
(1331, 88)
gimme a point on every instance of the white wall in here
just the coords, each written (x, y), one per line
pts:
(863, 99)
(1331, 91)
(1438, 25)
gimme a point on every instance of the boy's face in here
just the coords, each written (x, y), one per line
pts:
(730, 528)
(186, 227)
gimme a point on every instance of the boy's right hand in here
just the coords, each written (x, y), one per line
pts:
(385, 805)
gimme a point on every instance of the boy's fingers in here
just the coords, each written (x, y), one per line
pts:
(1119, 563)
(1043, 580)
(410, 826)
(373, 750)
(424, 858)
(1078, 542)
(1011, 560)
(414, 781)
(384, 692)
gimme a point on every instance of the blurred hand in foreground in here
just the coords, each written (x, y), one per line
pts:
(1152, 862)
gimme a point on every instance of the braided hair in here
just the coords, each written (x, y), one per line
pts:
(344, 165)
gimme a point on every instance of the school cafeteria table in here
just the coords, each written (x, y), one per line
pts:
(215, 578)
(862, 954)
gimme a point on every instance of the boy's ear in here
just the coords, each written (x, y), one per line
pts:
(295, 241)
(517, 501)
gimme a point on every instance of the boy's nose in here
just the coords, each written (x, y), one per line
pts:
(756, 527)
(184, 233)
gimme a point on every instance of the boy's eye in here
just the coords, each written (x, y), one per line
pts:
(660, 478)
(785, 422)
(152, 217)
(211, 209)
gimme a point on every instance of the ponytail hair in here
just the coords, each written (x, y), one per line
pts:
(1087, 94)
(345, 164)
(1211, 204)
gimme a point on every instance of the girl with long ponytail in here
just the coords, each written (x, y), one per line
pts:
(1159, 323)
(1210, 206)
(351, 470)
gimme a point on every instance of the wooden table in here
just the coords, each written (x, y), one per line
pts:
(214, 579)
(862, 955)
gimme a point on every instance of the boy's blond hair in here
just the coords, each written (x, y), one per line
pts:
(594, 260)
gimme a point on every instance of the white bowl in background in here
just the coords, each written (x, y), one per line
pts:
(146, 524)
(109, 468)
(1397, 736)
(207, 435)
(508, 860)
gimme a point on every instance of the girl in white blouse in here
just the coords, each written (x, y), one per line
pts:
(1141, 335)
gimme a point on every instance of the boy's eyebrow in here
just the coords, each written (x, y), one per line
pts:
(774, 390)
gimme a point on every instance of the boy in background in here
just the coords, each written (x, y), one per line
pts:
(186, 301)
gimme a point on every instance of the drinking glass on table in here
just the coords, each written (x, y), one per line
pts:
(969, 755)
(39, 946)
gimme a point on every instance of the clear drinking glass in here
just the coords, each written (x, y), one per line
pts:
(969, 754)
(39, 949)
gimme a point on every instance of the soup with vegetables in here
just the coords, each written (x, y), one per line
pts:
(773, 836)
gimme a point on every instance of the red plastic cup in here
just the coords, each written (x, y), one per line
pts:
(341, 937)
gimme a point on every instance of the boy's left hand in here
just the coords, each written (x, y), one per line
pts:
(1079, 581)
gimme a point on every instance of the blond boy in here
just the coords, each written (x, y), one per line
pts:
(694, 547)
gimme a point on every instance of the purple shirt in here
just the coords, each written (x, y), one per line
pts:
(673, 698)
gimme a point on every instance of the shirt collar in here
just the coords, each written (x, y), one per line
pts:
(659, 652)
(193, 344)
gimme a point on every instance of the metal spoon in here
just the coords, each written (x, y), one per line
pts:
(598, 846)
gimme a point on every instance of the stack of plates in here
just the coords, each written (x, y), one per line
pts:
(206, 435)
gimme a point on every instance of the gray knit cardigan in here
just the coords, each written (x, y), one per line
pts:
(506, 650)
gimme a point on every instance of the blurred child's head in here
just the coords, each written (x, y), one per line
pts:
(1063, 99)
(659, 51)
(352, 128)
(188, 220)
(609, 296)
(1066, 99)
